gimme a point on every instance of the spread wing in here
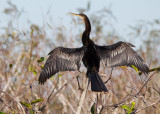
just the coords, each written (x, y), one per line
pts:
(121, 54)
(61, 59)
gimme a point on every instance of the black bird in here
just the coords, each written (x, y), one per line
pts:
(91, 54)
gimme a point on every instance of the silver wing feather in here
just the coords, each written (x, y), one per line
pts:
(121, 54)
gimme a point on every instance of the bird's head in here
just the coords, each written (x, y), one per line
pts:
(85, 20)
(81, 15)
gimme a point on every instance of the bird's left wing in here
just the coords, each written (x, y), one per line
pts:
(61, 59)
(121, 54)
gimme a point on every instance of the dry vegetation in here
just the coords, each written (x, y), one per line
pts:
(19, 70)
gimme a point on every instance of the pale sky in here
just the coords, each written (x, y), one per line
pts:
(127, 12)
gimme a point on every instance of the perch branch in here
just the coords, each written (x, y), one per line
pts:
(82, 96)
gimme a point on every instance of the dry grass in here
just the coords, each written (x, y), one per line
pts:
(19, 71)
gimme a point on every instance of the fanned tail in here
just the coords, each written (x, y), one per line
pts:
(97, 85)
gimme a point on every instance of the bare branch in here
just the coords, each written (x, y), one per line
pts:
(14, 100)
(49, 99)
(138, 110)
(82, 97)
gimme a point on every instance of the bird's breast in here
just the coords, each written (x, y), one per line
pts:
(91, 59)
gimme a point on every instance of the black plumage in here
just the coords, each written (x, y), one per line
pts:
(61, 59)
(121, 54)
(92, 55)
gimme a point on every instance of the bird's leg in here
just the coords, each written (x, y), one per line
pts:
(109, 76)
(79, 87)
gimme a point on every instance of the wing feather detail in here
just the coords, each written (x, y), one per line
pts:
(61, 59)
(121, 54)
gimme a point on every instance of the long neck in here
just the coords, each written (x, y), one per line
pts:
(86, 33)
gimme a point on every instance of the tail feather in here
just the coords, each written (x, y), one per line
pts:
(97, 85)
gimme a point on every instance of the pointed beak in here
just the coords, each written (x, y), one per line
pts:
(73, 14)
(76, 15)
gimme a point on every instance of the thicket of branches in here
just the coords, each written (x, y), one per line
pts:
(23, 54)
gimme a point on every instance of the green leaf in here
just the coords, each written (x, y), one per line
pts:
(26, 104)
(132, 108)
(10, 66)
(31, 111)
(154, 69)
(151, 70)
(36, 101)
(60, 75)
(127, 108)
(35, 72)
(135, 68)
(2, 112)
(40, 60)
(32, 70)
(42, 66)
(93, 109)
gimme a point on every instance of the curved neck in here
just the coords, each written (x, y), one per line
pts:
(86, 33)
(87, 24)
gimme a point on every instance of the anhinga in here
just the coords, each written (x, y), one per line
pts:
(91, 54)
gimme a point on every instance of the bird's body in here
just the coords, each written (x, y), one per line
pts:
(91, 59)
(92, 55)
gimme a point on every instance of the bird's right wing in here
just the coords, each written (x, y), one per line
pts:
(61, 59)
(121, 54)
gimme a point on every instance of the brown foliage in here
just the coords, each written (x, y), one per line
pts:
(20, 50)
